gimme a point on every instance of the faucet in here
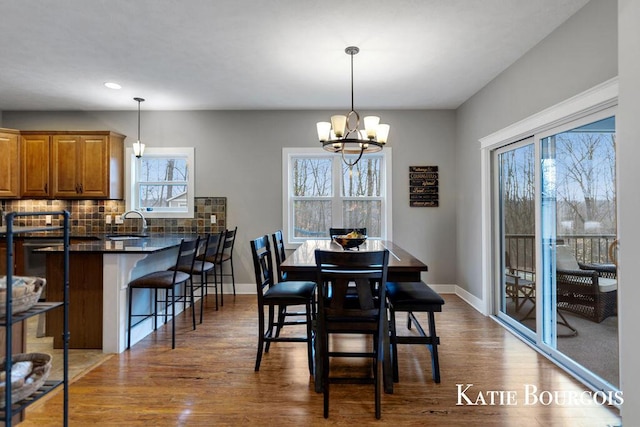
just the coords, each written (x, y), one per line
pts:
(144, 221)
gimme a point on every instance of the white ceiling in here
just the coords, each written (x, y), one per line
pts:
(259, 54)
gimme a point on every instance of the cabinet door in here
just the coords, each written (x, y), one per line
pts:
(65, 165)
(94, 167)
(34, 152)
(9, 166)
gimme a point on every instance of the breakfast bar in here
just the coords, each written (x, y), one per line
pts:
(100, 271)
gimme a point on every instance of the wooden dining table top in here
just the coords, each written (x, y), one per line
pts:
(301, 265)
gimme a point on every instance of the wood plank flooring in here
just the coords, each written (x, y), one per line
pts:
(209, 380)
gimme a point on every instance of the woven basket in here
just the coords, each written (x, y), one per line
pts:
(33, 381)
(27, 299)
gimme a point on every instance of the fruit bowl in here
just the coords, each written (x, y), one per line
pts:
(349, 242)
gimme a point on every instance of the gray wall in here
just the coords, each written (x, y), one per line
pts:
(239, 156)
(578, 55)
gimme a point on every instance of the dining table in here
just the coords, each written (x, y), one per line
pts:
(402, 267)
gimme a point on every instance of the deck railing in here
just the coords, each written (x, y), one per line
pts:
(588, 248)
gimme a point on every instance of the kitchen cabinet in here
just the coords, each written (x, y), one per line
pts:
(9, 164)
(80, 165)
(35, 149)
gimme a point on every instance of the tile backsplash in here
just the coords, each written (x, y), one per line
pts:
(88, 216)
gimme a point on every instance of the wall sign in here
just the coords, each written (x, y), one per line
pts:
(423, 186)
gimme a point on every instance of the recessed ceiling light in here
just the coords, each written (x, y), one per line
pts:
(112, 85)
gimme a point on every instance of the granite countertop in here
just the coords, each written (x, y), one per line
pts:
(102, 244)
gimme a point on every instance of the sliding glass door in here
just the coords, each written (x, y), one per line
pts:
(555, 239)
(515, 204)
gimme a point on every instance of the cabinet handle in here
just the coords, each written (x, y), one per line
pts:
(77, 189)
(81, 189)
(46, 186)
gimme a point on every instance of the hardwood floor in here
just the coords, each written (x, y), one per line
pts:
(209, 380)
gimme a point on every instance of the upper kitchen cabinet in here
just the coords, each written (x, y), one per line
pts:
(87, 166)
(80, 165)
(35, 149)
(9, 164)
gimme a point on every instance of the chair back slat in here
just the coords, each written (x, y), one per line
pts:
(262, 263)
(229, 241)
(187, 256)
(280, 254)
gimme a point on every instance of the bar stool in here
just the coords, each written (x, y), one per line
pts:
(414, 297)
(210, 256)
(166, 280)
(226, 255)
(201, 268)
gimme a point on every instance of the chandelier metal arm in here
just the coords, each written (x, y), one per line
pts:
(351, 164)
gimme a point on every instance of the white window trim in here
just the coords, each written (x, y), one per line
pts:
(387, 200)
(189, 153)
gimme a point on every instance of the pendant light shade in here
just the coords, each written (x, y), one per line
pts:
(138, 147)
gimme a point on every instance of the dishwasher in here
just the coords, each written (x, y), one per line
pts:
(35, 262)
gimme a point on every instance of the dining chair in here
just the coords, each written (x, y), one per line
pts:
(212, 256)
(333, 231)
(168, 281)
(279, 294)
(341, 313)
(226, 256)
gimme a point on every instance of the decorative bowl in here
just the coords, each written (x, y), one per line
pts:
(349, 242)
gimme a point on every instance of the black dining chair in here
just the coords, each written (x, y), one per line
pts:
(339, 312)
(168, 281)
(333, 231)
(273, 294)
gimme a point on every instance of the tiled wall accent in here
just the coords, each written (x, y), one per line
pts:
(88, 216)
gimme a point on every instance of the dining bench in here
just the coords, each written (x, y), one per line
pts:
(414, 297)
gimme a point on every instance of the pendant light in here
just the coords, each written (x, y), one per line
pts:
(343, 136)
(138, 147)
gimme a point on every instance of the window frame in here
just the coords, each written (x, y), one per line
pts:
(132, 162)
(288, 153)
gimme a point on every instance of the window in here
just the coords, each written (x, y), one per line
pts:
(320, 191)
(161, 182)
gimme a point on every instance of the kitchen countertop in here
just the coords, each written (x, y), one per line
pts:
(102, 244)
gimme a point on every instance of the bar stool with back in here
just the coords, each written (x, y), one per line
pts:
(226, 255)
(201, 268)
(167, 281)
(210, 258)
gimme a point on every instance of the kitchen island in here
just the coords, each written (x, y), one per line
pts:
(99, 272)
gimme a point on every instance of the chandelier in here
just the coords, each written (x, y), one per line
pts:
(343, 135)
(138, 147)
